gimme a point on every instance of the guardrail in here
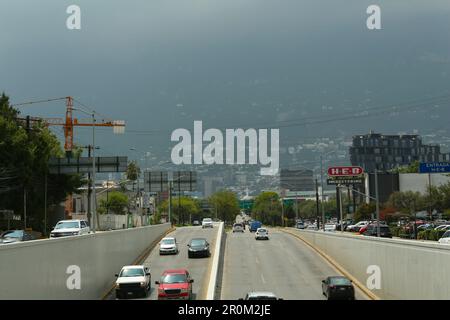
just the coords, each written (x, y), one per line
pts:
(390, 268)
(79, 267)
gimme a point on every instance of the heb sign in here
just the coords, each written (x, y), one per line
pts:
(345, 171)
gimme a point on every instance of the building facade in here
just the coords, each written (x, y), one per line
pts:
(385, 152)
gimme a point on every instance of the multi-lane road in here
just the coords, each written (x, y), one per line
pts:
(283, 265)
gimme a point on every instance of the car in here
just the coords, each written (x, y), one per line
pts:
(338, 287)
(372, 230)
(357, 226)
(300, 225)
(207, 223)
(443, 227)
(262, 233)
(133, 280)
(445, 239)
(196, 223)
(14, 236)
(198, 247)
(311, 226)
(175, 284)
(66, 228)
(427, 226)
(254, 225)
(238, 227)
(330, 227)
(168, 245)
(260, 295)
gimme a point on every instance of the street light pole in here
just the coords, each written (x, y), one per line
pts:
(377, 204)
(321, 192)
(93, 202)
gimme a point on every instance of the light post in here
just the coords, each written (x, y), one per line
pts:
(321, 185)
(93, 202)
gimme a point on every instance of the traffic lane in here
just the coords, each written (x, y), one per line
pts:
(199, 268)
(283, 265)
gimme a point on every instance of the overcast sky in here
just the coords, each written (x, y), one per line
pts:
(161, 64)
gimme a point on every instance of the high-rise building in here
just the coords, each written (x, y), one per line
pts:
(385, 152)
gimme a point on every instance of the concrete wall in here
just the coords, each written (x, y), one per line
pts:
(116, 221)
(37, 269)
(409, 269)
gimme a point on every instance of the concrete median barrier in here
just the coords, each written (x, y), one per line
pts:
(390, 268)
(80, 267)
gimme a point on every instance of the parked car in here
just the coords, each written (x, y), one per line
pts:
(238, 227)
(262, 233)
(175, 284)
(207, 223)
(133, 280)
(14, 236)
(254, 225)
(300, 225)
(338, 287)
(66, 228)
(445, 239)
(427, 226)
(443, 227)
(372, 230)
(168, 245)
(260, 295)
(357, 226)
(196, 223)
(331, 227)
(311, 226)
(198, 247)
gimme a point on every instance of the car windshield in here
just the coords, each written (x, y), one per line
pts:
(174, 278)
(13, 234)
(132, 272)
(340, 281)
(198, 242)
(168, 241)
(262, 230)
(262, 298)
(67, 225)
(207, 220)
(446, 234)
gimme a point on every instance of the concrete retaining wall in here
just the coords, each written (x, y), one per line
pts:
(409, 269)
(38, 269)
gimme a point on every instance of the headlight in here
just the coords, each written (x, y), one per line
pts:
(142, 284)
(117, 286)
(76, 233)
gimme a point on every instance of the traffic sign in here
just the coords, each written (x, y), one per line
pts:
(345, 180)
(345, 171)
(84, 165)
(434, 167)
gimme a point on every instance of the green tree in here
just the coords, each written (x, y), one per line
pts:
(225, 204)
(267, 208)
(365, 211)
(182, 210)
(133, 171)
(413, 167)
(117, 203)
(24, 155)
(407, 202)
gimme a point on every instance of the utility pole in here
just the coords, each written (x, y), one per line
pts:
(24, 208)
(170, 200)
(317, 207)
(340, 210)
(45, 205)
(321, 192)
(377, 203)
(93, 175)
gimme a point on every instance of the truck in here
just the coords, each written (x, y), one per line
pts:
(254, 225)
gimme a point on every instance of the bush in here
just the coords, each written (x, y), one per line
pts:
(433, 235)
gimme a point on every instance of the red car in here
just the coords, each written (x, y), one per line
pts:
(175, 284)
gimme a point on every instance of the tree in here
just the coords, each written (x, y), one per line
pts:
(225, 204)
(413, 167)
(365, 211)
(267, 208)
(133, 171)
(24, 154)
(117, 203)
(407, 202)
(182, 210)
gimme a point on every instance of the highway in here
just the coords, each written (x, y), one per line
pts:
(283, 265)
(199, 268)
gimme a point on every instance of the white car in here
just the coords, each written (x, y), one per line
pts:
(207, 223)
(262, 233)
(357, 226)
(238, 227)
(445, 239)
(132, 280)
(168, 245)
(443, 227)
(67, 228)
(330, 227)
(260, 295)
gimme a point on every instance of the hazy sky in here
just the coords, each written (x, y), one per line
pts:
(161, 64)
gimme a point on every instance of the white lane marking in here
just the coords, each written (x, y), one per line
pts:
(262, 278)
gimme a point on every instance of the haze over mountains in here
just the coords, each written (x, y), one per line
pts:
(298, 65)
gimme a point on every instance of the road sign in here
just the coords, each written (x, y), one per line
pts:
(84, 165)
(157, 181)
(345, 180)
(434, 167)
(246, 204)
(345, 171)
(297, 180)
